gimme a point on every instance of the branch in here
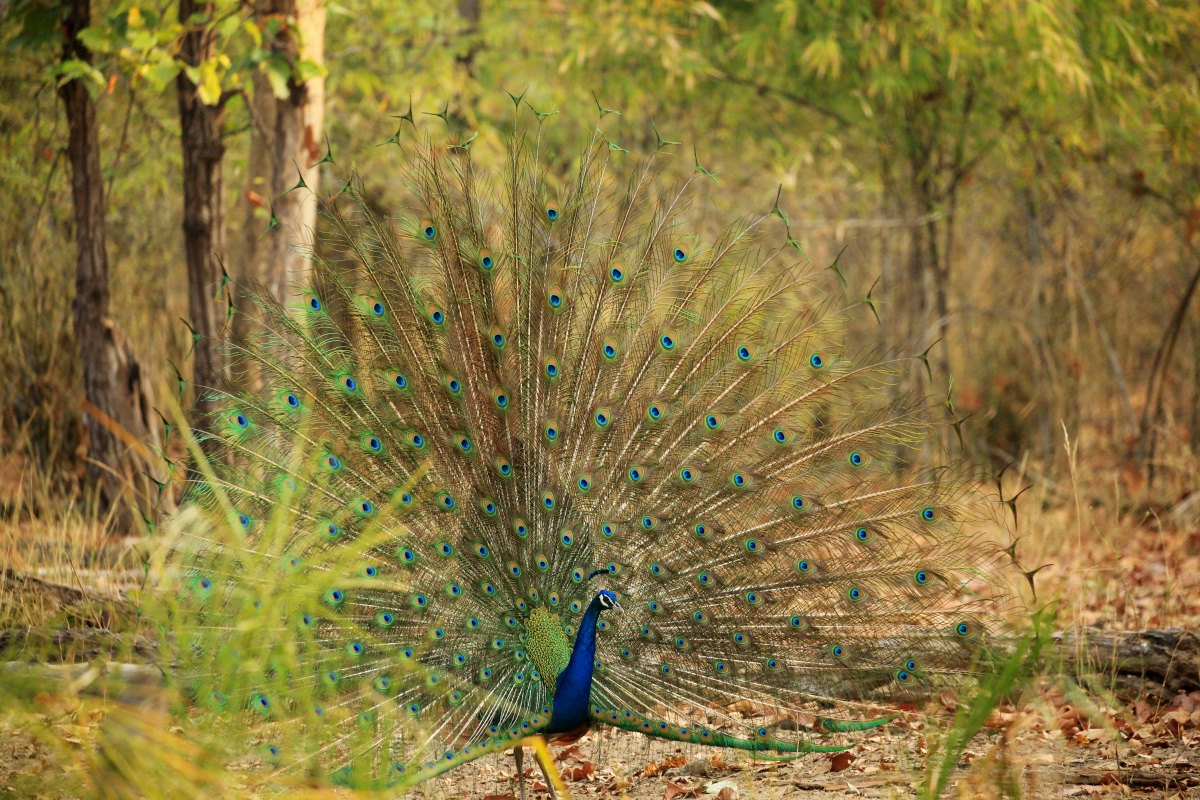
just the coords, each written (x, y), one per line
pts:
(764, 88)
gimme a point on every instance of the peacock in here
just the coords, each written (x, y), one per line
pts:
(542, 454)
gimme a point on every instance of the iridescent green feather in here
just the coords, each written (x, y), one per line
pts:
(471, 410)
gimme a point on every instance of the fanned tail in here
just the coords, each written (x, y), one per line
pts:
(477, 415)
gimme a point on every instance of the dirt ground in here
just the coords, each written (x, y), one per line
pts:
(1110, 566)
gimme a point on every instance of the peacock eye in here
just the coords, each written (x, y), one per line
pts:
(428, 229)
(552, 211)
(616, 272)
(680, 253)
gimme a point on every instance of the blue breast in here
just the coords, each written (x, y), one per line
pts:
(574, 688)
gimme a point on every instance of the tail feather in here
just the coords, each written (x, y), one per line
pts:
(520, 393)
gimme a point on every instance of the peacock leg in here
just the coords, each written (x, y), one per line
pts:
(519, 757)
(549, 780)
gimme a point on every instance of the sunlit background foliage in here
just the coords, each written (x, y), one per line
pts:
(1021, 177)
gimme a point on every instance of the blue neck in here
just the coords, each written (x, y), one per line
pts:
(574, 689)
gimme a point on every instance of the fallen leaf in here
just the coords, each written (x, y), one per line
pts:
(718, 787)
(569, 752)
(840, 761)
(674, 790)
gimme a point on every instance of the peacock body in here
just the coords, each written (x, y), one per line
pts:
(537, 457)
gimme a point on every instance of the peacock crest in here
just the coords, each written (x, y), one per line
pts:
(531, 459)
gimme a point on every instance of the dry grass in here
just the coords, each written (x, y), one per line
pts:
(1115, 561)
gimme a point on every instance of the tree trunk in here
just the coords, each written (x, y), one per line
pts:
(284, 148)
(203, 213)
(117, 397)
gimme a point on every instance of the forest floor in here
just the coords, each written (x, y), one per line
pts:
(1111, 567)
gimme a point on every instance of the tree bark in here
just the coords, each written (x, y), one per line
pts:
(1155, 664)
(285, 146)
(203, 213)
(117, 396)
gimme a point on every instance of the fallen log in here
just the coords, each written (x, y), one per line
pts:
(1148, 664)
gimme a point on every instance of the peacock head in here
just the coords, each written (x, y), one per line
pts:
(608, 600)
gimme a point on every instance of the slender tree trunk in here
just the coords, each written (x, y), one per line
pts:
(284, 148)
(118, 403)
(470, 12)
(203, 212)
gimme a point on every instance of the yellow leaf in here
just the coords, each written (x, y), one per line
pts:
(255, 34)
(210, 85)
(135, 18)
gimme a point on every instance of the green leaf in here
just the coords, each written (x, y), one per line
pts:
(39, 25)
(278, 73)
(162, 73)
(73, 68)
(143, 40)
(307, 69)
(99, 41)
(228, 26)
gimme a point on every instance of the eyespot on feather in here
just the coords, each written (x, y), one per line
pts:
(427, 230)
(741, 481)
(551, 211)
(485, 259)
